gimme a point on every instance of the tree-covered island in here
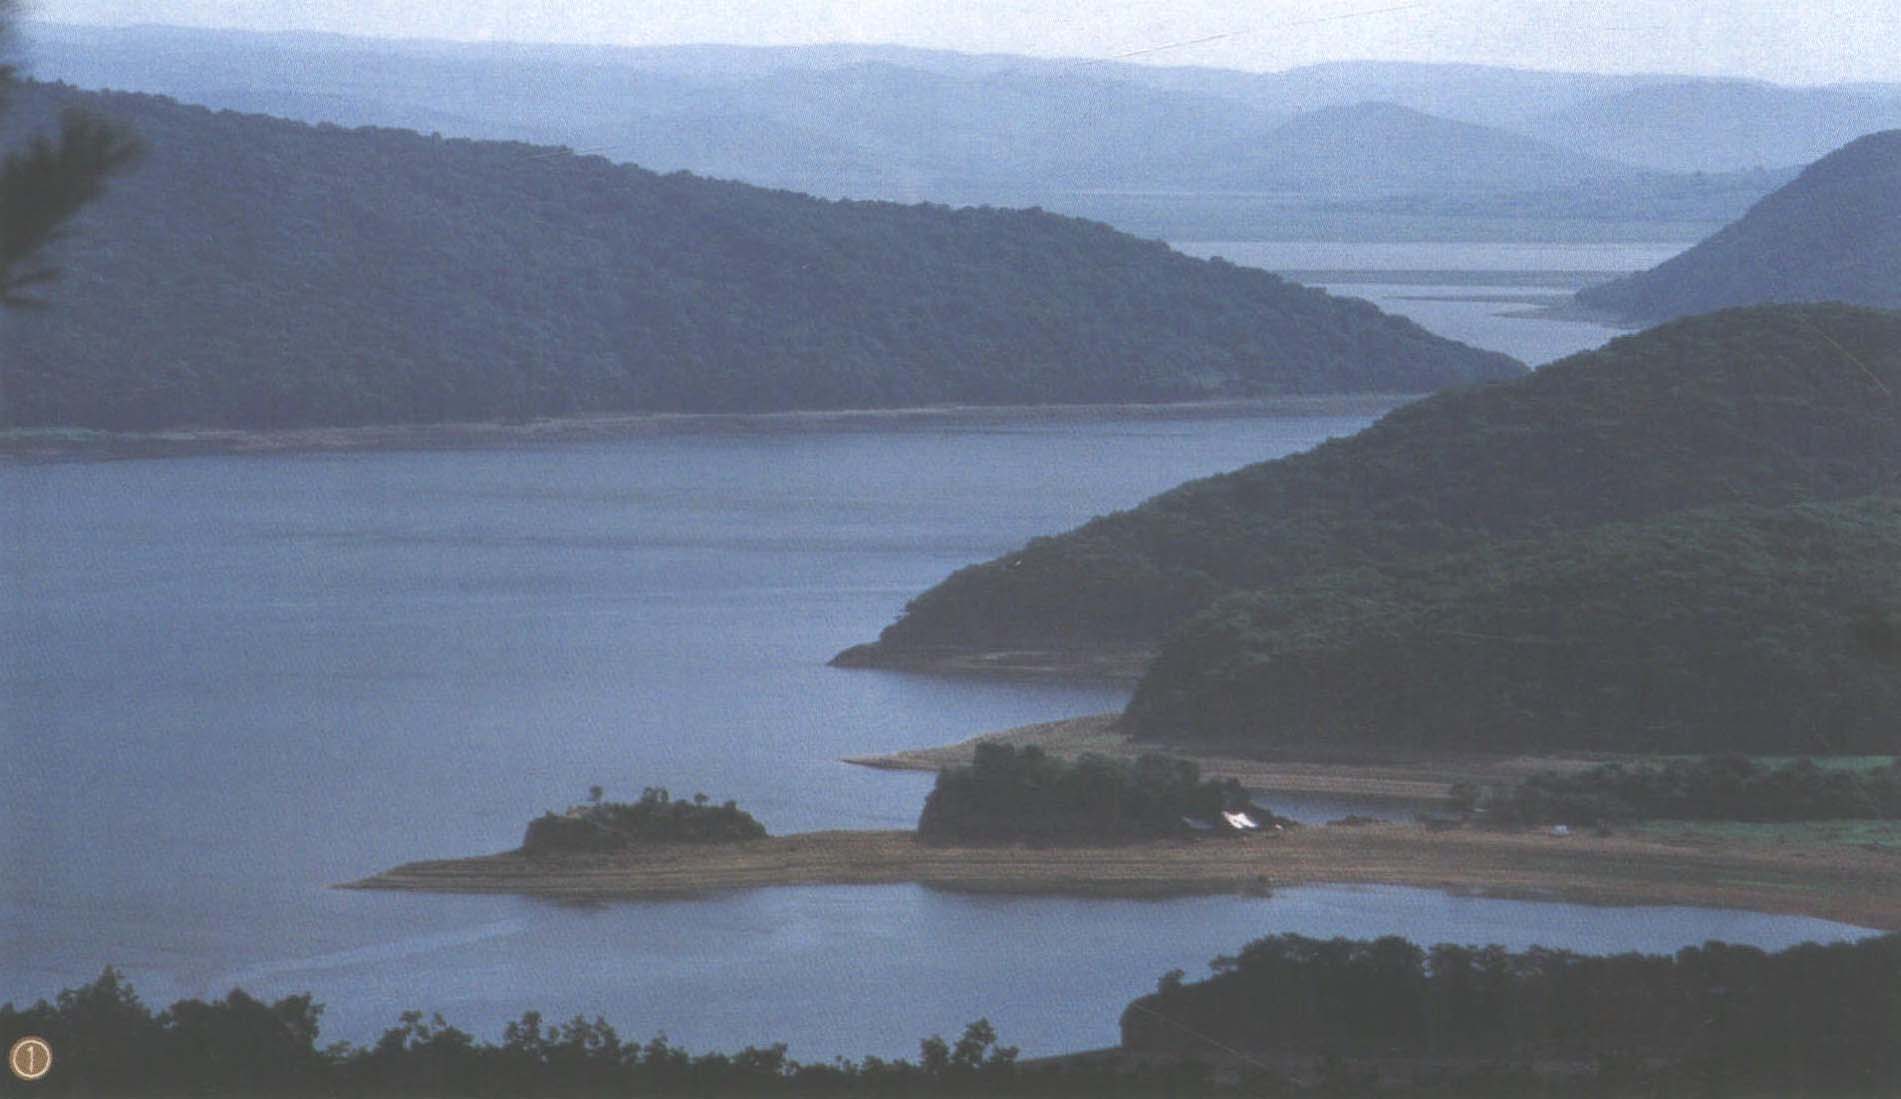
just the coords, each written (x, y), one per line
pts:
(656, 818)
(1009, 794)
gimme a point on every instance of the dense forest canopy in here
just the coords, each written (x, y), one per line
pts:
(1732, 788)
(1512, 567)
(1767, 406)
(1733, 629)
(1834, 234)
(267, 273)
(1734, 1020)
(1008, 794)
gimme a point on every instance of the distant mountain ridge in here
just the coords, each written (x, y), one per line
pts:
(1383, 147)
(1721, 125)
(912, 125)
(262, 273)
(1833, 234)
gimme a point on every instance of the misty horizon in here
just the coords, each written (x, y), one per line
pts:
(1817, 45)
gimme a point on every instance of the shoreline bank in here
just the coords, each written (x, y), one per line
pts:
(83, 444)
(1424, 782)
(1848, 884)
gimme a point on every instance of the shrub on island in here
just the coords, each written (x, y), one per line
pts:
(655, 818)
(1009, 794)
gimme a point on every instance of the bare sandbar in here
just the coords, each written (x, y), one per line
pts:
(1425, 781)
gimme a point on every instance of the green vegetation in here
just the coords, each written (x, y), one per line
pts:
(1725, 788)
(1834, 234)
(655, 818)
(1715, 1019)
(1724, 630)
(107, 1042)
(1767, 406)
(46, 184)
(1350, 1017)
(378, 276)
(1009, 794)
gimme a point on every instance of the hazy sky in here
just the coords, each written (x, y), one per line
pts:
(1794, 41)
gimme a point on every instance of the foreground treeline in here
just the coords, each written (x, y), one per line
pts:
(107, 1042)
(1731, 1018)
(1719, 788)
(1287, 1016)
(1010, 793)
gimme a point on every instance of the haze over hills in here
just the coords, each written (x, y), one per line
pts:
(1833, 234)
(1384, 148)
(263, 273)
(1721, 126)
(1766, 407)
(910, 125)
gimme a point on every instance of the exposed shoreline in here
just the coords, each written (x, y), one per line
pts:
(1848, 884)
(80, 444)
(1425, 782)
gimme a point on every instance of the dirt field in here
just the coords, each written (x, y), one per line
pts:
(1858, 885)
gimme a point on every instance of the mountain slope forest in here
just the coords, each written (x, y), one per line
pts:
(263, 273)
(1722, 630)
(1766, 407)
(1833, 234)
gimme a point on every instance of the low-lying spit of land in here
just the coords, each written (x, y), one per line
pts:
(1423, 781)
(1857, 884)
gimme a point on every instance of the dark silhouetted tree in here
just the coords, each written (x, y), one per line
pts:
(45, 183)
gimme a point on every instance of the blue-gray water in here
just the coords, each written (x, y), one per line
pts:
(229, 682)
(1490, 305)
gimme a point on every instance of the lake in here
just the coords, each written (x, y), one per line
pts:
(233, 681)
(1485, 294)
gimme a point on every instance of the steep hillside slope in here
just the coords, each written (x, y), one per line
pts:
(1834, 234)
(262, 273)
(1766, 406)
(1727, 630)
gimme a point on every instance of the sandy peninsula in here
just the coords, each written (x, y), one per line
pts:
(1853, 884)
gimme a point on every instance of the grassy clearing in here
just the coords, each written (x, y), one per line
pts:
(1885, 834)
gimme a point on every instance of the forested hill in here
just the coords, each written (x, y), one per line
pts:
(256, 272)
(1726, 630)
(1834, 234)
(1765, 406)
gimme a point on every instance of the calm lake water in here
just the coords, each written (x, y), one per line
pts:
(229, 682)
(1484, 294)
